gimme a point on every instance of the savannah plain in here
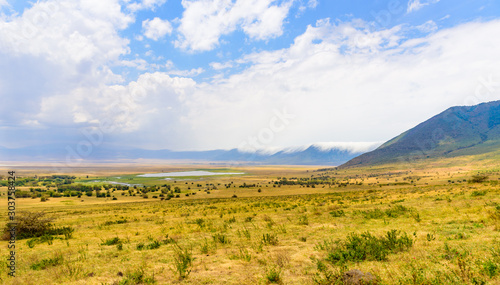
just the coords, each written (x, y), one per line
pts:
(432, 223)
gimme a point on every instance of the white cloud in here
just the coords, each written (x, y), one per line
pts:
(220, 66)
(427, 27)
(352, 147)
(204, 22)
(344, 83)
(145, 5)
(156, 28)
(415, 5)
(54, 47)
(312, 3)
(4, 3)
(186, 73)
(138, 63)
(89, 32)
(338, 81)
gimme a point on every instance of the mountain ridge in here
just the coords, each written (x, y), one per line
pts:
(457, 131)
(306, 155)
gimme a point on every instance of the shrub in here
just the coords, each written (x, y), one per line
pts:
(373, 214)
(478, 178)
(273, 275)
(303, 220)
(478, 193)
(337, 213)
(221, 238)
(137, 277)
(111, 241)
(270, 239)
(30, 224)
(491, 268)
(396, 211)
(49, 262)
(154, 245)
(326, 276)
(368, 247)
(168, 240)
(183, 261)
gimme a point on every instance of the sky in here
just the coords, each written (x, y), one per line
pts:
(246, 74)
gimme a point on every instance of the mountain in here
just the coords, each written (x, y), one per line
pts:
(458, 131)
(309, 155)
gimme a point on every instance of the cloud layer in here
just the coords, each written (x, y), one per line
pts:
(339, 81)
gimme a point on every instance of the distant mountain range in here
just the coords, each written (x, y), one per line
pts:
(309, 155)
(458, 131)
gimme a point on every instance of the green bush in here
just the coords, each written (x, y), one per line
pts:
(221, 238)
(273, 275)
(270, 239)
(154, 245)
(337, 213)
(303, 220)
(49, 262)
(478, 178)
(36, 224)
(373, 214)
(137, 277)
(111, 241)
(362, 247)
(478, 193)
(183, 261)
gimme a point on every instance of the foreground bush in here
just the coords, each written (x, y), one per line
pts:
(36, 224)
(362, 247)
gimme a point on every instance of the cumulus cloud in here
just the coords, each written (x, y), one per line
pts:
(204, 22)
(186, 73)
(338, 81)
(414, 5)
(57, 57)
(145, 4)
(156, 28)
(342, 82)
(220, 66)
(39, 56)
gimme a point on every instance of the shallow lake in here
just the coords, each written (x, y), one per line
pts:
(187, 173)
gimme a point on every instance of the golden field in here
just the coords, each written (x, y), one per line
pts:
(273, 230)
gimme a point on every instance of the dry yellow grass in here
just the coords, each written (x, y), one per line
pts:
(441, 208)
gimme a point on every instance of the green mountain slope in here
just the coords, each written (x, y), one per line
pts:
(464, 130)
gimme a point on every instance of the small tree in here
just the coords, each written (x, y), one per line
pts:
(30, 224)
(478, 178)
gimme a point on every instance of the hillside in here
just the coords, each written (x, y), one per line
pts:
(463, 130)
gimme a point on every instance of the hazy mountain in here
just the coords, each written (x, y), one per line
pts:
(311, 155)
(464, 130)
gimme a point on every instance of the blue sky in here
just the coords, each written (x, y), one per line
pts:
(255, 74)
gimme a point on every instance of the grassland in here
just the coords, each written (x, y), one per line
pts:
(274, 231)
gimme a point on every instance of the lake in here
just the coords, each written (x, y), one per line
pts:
(187, 173)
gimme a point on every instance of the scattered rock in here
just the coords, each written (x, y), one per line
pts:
(358, 277)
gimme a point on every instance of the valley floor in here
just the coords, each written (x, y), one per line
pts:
(420, 226)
